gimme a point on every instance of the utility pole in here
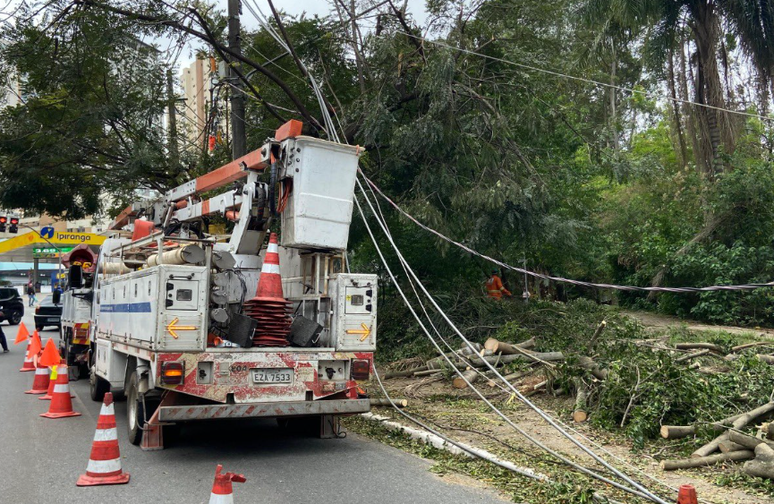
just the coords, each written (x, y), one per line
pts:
(238, 136)
(174, 153)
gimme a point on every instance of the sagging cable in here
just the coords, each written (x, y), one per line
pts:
(640, 489)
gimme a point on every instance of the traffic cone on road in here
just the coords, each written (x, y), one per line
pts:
(104, 466)
(52, 384)
(687, 495)
(41, 381)
(22, 335)
(61, 405)
(50, 356)
(269, 306)
(222, 491)
(33, 347)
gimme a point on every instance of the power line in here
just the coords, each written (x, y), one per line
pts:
(637, 490)
(586, 80)
(580, 283)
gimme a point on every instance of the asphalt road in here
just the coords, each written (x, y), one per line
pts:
(42, 458)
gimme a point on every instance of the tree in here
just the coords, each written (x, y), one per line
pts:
(89, 122)
(664, 24)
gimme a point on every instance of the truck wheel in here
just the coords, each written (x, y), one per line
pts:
(97, 386)
(15, 318)
(135, 411)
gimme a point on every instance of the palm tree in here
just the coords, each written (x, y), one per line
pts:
(667, 24)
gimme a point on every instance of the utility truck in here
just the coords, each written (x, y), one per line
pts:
(178, 326)
(77, 296)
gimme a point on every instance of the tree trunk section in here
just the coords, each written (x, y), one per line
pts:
(470, 374)
(506, 348)
(763, 465)
(671, 465)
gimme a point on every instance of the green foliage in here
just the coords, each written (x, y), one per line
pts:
(88, 123)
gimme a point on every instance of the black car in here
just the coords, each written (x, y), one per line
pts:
(11, 304)
(48, 314)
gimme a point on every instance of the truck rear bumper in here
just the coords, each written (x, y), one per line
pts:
(266, 410)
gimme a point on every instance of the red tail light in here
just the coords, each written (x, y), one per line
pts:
(37, 309)
(361, 369)
(172, 373)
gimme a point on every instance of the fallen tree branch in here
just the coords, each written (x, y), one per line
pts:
(700, 346)
(692, 355)
(671, 465)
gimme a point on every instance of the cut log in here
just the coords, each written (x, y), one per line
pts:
(681, 431)
(580, 412)
(763, 465)
(677, 431)
(692, 355)
(730, 446)
(750, 442)
(505, 359)
(401, 403)
(710, 447)
(403, 374)
(671, 465)
(470, 374)
(506, 348)
(768, 359)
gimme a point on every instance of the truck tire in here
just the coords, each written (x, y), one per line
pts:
(135, 411)
(97, 386)
(15, 318)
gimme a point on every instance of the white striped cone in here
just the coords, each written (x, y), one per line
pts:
(41, 381)
(104, 466)
(28, 364)
(222, 491)
(61, 405)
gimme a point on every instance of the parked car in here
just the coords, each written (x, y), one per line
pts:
(11, 305)
(48, 313)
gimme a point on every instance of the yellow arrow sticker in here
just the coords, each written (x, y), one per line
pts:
(365, 332)
(172, 327)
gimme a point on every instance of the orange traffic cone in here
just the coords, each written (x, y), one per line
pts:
(269, 306)
(222, 491)
(22, 335)
(61, 405)
(50, 356)
(41, 381)
(687, 495)
(104, 466)
(52, 384)
(33, 348)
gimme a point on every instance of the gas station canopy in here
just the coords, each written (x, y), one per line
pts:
(44, 246)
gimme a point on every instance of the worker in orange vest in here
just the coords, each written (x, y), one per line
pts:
(495, 288)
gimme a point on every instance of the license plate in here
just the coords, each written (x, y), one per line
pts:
(272, 376)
